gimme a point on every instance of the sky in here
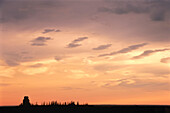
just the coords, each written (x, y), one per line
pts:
(91, 51)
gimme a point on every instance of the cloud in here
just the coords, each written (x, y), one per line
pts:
(57, 30)
(165, 60)
(79, 39)
(26, 9)
(12, 62)
(116, 82)
(148, 53)
(71, 88)
(60, 57)
(75, 42)
(146, 84)
(125, 50)
(158, 15)
(36, 65)
(26, 58)
(108, 67)
(40, 41)
(50, 30)
(72, 45)
(157, 10)
(12, 58)
(101, 47)
(4, 84)
(151, 69)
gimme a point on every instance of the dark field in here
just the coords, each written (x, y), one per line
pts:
(88, 109)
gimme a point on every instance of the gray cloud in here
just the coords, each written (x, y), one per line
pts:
(12, 62)
(75, 42)
(158, 15)
(4, 84)
(36, 65)
(165, 60)
(57, 30)
(60, 57)
(101, 47)
(108, 67)
(157, 9)
(125, 50)
(12, 58)
(15, 11)
(50, 30)
(40, 41)
(72, 45)
(149, 52)
(79, 39)
(26, 58)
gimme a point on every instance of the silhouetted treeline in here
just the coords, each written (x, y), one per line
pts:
(26, 103)
(87, 109)
(54, 103)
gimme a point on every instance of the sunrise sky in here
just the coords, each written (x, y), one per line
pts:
(94, 51)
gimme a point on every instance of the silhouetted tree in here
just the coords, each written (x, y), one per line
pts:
(72, 103)
(43, 104)
(26, 101)
(77, 103)
(55, 103)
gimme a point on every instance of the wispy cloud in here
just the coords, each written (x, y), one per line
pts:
(165, 60)
(148, 53)
(101, 47)
(146, 84)
(50, 30)
(75, 43)
(125, 50)
(40, 41)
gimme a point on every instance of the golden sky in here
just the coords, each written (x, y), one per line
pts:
(92, 51)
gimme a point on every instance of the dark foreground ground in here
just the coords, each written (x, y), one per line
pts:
(88, 109)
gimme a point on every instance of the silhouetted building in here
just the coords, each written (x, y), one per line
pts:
(26, 101)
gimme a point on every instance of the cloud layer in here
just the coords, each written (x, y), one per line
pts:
(125, 50)
(147, 84)
(22, 10)
(157, 10)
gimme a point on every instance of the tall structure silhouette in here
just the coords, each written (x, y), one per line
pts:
(26, 101)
